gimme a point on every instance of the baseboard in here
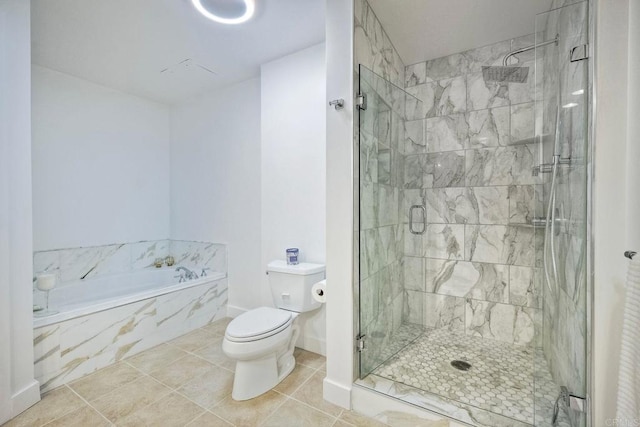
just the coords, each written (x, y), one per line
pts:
(337, 394)
(25, 398)
(312, 344)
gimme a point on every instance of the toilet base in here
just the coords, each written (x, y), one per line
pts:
(255, 377)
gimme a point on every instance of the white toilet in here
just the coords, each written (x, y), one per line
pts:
(262, 340)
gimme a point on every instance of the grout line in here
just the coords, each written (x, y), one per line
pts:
(90, 405)
(276, 409)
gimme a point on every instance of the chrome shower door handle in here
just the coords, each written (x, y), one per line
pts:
(412, 209)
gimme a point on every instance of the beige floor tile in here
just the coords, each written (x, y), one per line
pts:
(214, 354)
(323, 368)
(83, 417)
(54, 404)
(105, 380)
(296, 414)
(311, 394)
(156, 357)
(129, 398)
(248, 412)
(340, 423)
(193, 340)
(182, 371)
(218, 327)
(358, 420)
(307, 358)
(294, 380)
(209, 420)
(401, 419)
(209, 388)
(172, 410)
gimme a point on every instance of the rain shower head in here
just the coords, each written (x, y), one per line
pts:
(505, 74)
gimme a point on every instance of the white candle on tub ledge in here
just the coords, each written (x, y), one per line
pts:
(46, 282)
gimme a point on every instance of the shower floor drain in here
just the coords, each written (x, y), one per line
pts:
(461, 365)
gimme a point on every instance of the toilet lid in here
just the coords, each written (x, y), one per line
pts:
(257, 322)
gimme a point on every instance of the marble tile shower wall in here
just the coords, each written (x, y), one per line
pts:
(87, 262)
(468, 160)
(378, 242)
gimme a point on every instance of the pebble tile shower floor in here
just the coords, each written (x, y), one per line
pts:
(500, 380)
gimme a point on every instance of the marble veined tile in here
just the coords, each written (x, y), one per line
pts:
(46, 262)
(502, 322)
(414, 273)
(415, 74)
(500, 166)
(444, 169)
(446, 67)
(525, 286)
(414, 141)
(444, 97)
(471, 205)
(489, 128)
(522, 122)
(444, 241)
(488, 282)
(483, 94)
(143, 254)
(513, 245)
(446, 133)
(82, 263)
(522, 204)
(443, 311)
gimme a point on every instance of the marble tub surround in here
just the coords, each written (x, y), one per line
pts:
(468, 161)
(71, 349)
(94, 261)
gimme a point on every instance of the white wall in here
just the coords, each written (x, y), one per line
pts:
(340, 339)
(100, 164)
(294, 169)
(215, 181)
(613, 196)
(18, 389)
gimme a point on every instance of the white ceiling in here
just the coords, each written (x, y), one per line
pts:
(125, 44)
(427, 29)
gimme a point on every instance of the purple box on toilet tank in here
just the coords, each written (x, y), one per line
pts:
(292, 256)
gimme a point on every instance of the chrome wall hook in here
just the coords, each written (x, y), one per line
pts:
(338, 104)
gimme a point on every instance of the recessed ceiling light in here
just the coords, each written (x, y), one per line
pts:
(249, 9)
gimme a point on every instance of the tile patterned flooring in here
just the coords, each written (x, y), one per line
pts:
(501, 378)
(188, 382)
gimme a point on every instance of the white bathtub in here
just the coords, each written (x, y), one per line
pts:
(107, 319)
(83, 297)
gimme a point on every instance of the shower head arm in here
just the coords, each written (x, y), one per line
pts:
(505, 61)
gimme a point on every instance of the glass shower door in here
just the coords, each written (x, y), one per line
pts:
(381, 221)
(562, 130)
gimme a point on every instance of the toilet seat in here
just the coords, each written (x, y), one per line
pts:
(258, 324)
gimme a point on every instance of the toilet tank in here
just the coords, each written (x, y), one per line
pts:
(291, 284)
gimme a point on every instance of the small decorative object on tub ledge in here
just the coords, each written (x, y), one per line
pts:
(169, 261)
(157, 263)
(630, 254)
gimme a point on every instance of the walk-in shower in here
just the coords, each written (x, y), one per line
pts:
(472, 223)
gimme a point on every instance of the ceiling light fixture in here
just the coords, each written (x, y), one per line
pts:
(250, 8)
